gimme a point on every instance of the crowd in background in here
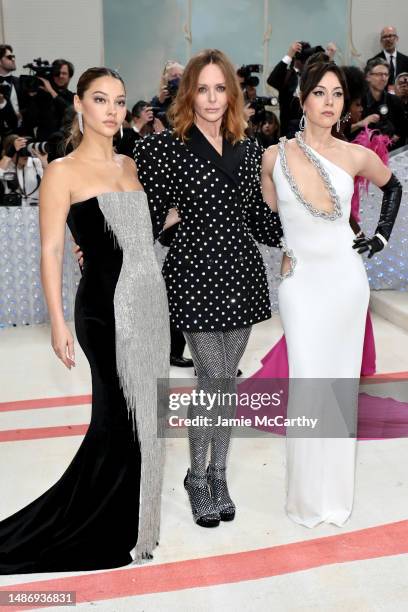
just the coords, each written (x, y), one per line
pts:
(36, 110)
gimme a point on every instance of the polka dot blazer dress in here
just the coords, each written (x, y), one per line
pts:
(214, 272)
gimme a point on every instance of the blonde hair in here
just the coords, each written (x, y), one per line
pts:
(8, 140)
(167, 67)
(84, 82)
(181, 112)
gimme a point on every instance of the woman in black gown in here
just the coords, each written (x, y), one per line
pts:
(92, 517)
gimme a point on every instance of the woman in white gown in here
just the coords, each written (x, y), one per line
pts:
(324, 293)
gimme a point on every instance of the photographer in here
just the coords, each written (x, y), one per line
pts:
(48, 97)
(255, 106)
(377, 100)
(269, 130)
(10, 93)
(143, 124)
(21, 170)
(285, 78)
(169, 83)
(8, 118)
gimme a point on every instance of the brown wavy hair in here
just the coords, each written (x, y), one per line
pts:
(181, 112)
(84, 83)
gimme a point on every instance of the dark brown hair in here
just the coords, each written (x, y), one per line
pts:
(84, 83)
(315, 68)
(181, 112)
(59, 63)
(3, 49)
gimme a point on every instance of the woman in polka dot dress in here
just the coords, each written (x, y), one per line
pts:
(207, 174)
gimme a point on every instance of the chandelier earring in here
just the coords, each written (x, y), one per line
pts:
(302, 122)
(80, 122)
(338, 124)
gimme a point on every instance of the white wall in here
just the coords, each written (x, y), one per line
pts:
(368, 19)
(50, 29)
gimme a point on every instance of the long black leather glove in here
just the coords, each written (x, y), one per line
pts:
(389, 210)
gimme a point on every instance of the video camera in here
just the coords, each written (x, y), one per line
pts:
(39, 68)
(259, 105)
(245, 72)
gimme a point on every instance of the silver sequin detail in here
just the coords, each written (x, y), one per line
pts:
(292, 259)
(142, 345)
(330, 216)
(219, 490)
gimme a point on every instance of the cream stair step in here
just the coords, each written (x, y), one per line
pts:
(392, 306)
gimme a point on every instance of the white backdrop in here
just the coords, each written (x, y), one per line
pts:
(50, 29)
(368, 17)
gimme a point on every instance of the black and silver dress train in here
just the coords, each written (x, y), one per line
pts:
(108, 500)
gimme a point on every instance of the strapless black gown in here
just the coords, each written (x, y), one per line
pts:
(89, 519)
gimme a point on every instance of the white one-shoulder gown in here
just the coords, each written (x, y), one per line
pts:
(323, 302)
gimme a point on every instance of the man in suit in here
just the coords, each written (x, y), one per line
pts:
(397, 61)
(285, 78)
(378, 101)
(10, 90)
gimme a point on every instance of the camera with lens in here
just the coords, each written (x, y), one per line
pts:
(245, 72)
(39, 68)
(158, 113)
(307, 51)
(259, 105)
(42, 148)
(13, 198)
(172, 87)
(384, 125)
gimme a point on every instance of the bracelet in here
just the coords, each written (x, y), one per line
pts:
(360, 234)
(383, 240)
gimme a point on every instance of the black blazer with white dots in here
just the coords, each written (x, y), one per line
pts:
(214, 272)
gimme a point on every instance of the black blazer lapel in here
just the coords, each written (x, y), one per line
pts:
(230, 160)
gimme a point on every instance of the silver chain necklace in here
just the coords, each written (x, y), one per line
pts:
(330, 216)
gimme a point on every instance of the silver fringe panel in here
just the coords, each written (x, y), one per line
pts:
(142, 345)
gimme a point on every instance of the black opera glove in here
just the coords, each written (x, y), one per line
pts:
(389, 210)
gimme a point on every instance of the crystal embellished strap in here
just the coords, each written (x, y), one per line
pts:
(330, 216)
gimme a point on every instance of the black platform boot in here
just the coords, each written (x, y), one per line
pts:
(202, 506)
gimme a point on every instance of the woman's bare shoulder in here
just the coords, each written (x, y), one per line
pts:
(61, 169)
(270, 155)
(125, 161)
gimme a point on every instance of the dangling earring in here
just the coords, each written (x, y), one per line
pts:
(338, 125)
(80, 123)
(302, 122)
(121, 132)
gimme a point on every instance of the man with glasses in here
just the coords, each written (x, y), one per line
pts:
(10, 91)
(377, 100)
(398, 62)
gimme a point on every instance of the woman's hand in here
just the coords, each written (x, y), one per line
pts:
(248, 112)
(373, 118)
(163, 95)
(172, 218)
(62, 342)
(158, 126)
(79, 256)
(42, 157)
(19, 143)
